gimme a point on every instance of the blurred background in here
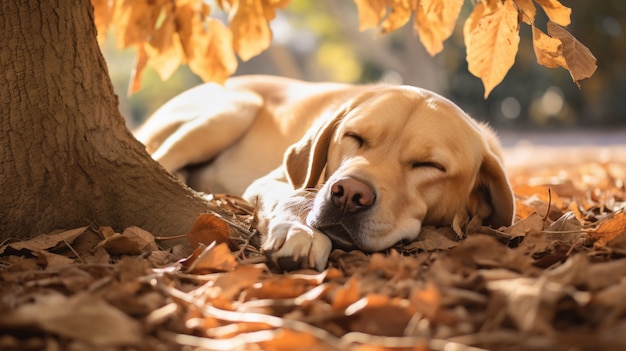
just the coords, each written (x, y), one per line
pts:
(318, 40)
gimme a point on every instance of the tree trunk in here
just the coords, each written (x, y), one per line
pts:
(66, 156)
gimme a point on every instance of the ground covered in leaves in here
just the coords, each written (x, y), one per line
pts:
(556, 280)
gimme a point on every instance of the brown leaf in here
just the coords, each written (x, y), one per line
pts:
(133, 241)
(492, 44)
(426, 300)
(380, 315)
(532, 223)
(580, 61)
(81, 317)
(433, 239)
(435, 21)
(46, 241)
(530, 303)
(207, 229)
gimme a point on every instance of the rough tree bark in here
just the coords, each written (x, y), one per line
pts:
(66, 156)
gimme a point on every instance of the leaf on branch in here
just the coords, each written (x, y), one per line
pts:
(556, 11)
(214, 59)
(371, 12)
(492, 43)
(528, 10)
(435, 21)
(249, 22)
(580, 61)
(103, 14)
(134, 21)
(549, 51)
(164, 47)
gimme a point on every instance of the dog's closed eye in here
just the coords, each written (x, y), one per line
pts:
(428, 164)
(355, 137)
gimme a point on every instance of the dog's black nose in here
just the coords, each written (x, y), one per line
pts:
(352, 195)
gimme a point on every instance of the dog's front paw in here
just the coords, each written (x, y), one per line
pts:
(295, 245)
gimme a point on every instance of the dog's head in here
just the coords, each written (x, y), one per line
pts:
(394, 159)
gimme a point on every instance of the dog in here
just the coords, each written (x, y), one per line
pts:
(332, 165)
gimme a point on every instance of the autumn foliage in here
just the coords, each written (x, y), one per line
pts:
(491, 33)
(552, 281)
(168, 33)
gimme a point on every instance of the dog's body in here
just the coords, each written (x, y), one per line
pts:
(361, 165)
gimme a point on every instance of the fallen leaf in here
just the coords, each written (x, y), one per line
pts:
(346, 295)
(287, 340)
(609, 229)
(534, 222)
(380, 315)
(81, 317)
(46, 241)
(426, 300)
(207, 229)
(212, 258)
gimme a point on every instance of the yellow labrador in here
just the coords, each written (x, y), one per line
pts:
(332, 164)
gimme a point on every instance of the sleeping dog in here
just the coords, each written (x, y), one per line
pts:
(349, 166)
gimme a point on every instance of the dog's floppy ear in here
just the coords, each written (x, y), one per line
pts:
(492, 197)
(305, 160)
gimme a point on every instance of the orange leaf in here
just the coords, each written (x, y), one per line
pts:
(435, 21)
(213, 258)
(134, 21)
(347, 294)
(556, 11)
(285, 339)
(426, 300)
(580, 61)
(208, 228)
(549, 51)
(493, 44)
(135, 77)
(103, 14)
(528, 10)
(214, 59)
(371, 13)
(249, 23)
(164, 47)
(399, 15)
(609, 229)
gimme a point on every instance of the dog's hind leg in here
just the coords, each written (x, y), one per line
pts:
(198, 124)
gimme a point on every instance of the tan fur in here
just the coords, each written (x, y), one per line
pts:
(291, 145)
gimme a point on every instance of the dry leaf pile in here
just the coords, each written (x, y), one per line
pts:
(555, 280)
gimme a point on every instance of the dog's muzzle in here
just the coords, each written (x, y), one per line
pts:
(339, 210)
